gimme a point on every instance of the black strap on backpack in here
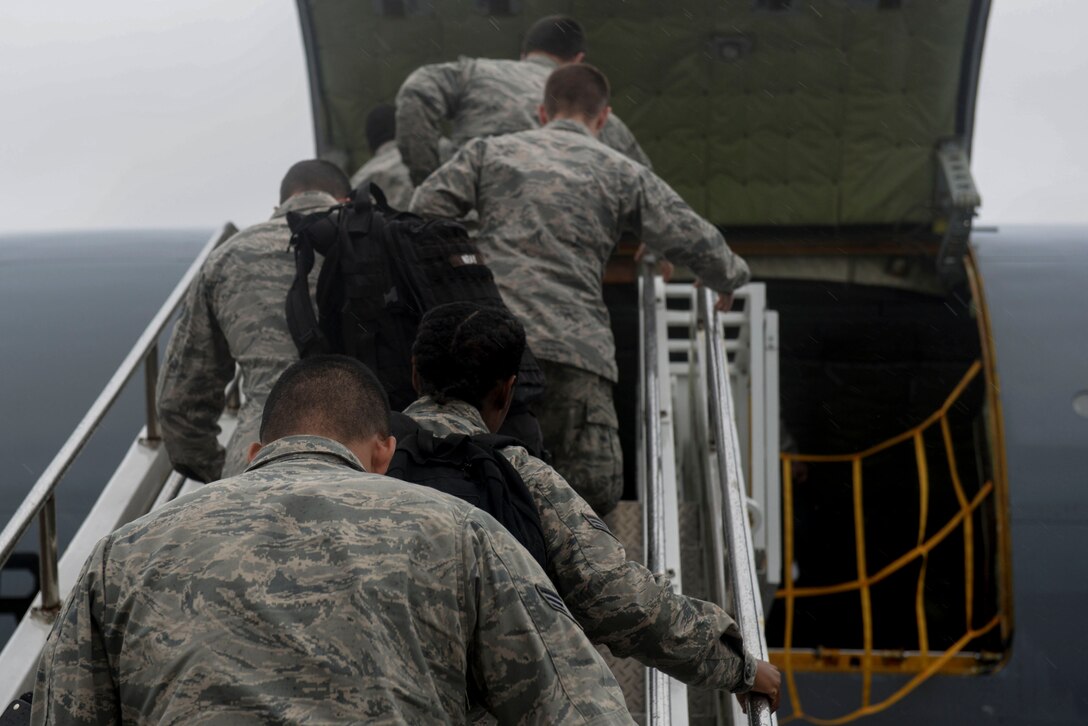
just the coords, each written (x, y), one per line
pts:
(301, 320)
(383, 269)
(470, 468)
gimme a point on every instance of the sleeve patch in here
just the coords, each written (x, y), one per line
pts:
(597, 523)
(552, 598)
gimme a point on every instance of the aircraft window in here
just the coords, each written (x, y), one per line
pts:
(730, 47)
(402, 8)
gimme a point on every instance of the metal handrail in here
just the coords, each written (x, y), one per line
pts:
(658, 696)
(40, 501)
(747, 610)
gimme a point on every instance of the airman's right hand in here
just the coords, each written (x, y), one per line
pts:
(768, 682)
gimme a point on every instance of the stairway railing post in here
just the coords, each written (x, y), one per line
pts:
(151, 378)
(47, 559)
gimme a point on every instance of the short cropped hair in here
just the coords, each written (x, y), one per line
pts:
(326, 395)
(557, 35)
(578, 88)
(381, 126)
(314, 175)
(462, 350)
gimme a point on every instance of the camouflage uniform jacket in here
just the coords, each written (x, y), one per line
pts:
(306, 590)
(480, 97)
(553, 202)
(619, 603)
(234, 311)
(386, 170)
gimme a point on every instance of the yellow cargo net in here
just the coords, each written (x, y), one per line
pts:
(865, 580)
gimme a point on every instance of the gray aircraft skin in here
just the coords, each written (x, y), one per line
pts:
(1036, 287)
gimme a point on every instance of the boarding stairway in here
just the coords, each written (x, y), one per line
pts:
(707, 515)
(708, 397)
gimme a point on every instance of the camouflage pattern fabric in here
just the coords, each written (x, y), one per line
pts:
(619, 603)
(480, 97)
(386, 170)
(578, 420)
(234, 312)
(307, 590)
(553, 202)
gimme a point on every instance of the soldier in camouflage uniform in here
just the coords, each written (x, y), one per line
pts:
(465, 360)
(385, 167)
(553, 202)
(485, 97)
(235, 312)
(308, 590)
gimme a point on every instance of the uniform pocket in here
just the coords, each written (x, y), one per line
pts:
(601, 453)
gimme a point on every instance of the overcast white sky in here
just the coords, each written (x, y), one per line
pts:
(146, 113)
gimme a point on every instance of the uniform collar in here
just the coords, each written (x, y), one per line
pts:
(387, 148)
(463, 416)
(541, 60)
(305, 200)
(305, 447)
(569, 124)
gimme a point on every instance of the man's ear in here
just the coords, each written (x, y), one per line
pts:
(417, 382)
(496, 403)
(382, 454)
(542, 114)
(251, 452)
(507, 391)
(601, 119)
(580, 58)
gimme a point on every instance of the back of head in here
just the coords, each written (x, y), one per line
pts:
(463, 350)
(578, 89)
(556, 35)
(327, 395)
(381, 126)
(314, 175)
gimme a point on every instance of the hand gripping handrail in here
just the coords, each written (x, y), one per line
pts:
(747, 609)
(658, 697)
(40, 501)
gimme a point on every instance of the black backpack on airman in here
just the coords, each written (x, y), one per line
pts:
(472, 469)
(383, 270)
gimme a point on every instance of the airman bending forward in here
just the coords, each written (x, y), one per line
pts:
(485, 97)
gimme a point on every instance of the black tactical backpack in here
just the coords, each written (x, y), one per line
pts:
(383, 270)
(470, 468)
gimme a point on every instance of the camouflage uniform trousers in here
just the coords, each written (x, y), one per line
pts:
(581, 431)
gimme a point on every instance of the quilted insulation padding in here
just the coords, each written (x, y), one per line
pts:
(830, 118)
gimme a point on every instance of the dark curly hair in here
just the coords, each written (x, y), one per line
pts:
(463, 349)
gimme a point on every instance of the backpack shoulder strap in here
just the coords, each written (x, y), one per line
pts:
(299, 309)
(414, 441)
(519, 496)
(401, 425)
(496, 441)
(380, 202)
